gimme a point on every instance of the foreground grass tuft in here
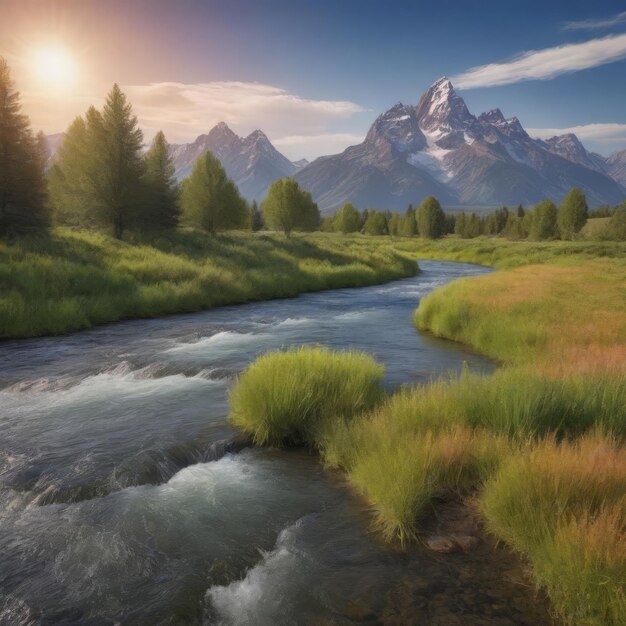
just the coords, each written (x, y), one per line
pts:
(287, 396)
(564, 506)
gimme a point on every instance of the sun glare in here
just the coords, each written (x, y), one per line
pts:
(55, 66)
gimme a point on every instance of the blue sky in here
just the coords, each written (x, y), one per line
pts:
(315, 74)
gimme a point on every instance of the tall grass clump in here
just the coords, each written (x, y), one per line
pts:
(563, 505)
(401, 477)
(287, 396)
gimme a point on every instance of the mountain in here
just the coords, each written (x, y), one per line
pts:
(616, 167)
(252, 162)
(569, 147)
(438, 147)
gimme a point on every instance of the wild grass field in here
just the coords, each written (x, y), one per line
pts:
(538, 447)
(69, 280)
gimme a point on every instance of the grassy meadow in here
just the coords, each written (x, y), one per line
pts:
(537, 447)
(68, 279)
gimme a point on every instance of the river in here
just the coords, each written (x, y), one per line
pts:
(120, 502)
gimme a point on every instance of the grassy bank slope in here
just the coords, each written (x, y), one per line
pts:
(556, 318)
(538, 447)
(73, 280)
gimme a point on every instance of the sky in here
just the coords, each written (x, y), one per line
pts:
(313, 75)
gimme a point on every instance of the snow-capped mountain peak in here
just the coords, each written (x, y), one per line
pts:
(438, 147)
(442, 108)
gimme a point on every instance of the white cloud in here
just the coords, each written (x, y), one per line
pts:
(183, 111)
(545, 64)
(602, 133)
(312, 146)
(591, 24)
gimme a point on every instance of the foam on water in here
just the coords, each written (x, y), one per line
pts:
(294, 321)
(224, 338)
(260, 597)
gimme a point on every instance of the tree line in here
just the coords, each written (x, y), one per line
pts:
(544, 221)
(101, 177)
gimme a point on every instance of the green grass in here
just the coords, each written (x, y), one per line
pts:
(564, 506)
(504, 254)
(72, 280)
(287, 396)
(539, 445)
(449, 436)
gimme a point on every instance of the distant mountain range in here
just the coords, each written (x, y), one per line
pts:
(252, 161)
(436, 147)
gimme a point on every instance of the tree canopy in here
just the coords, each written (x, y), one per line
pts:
(346, 219)
(210, 200)
(287, 207)
(431, 220)
(572, 214)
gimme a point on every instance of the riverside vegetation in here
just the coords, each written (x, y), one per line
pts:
(537, 448)
(68, 280)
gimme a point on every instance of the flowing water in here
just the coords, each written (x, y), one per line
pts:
(121, 500)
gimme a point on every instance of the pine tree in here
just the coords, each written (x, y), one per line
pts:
(161, 210)
(256, 217)
(346, 219)
(210, 200)
(287, 207)
(22, 162)
(572, 214)
(67, 178)
(430, 219)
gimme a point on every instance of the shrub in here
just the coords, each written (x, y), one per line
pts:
(286, 396)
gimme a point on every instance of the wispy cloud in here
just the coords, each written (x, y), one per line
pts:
(601, 133)
(545, 64)
(185, 110)
(597, 24)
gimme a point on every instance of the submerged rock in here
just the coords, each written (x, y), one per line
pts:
(451, 543)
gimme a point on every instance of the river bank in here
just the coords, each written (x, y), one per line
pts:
(538, 445)
(71, 279)
(113, 509)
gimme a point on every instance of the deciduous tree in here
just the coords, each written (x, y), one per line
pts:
(430, 219)
(287, 207)
(572, 214)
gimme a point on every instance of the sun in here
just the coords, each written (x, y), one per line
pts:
(54, 66)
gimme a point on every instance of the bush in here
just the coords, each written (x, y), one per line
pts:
(286, 396)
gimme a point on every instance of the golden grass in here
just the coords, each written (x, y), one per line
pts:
(558, 319)
(563, 504)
